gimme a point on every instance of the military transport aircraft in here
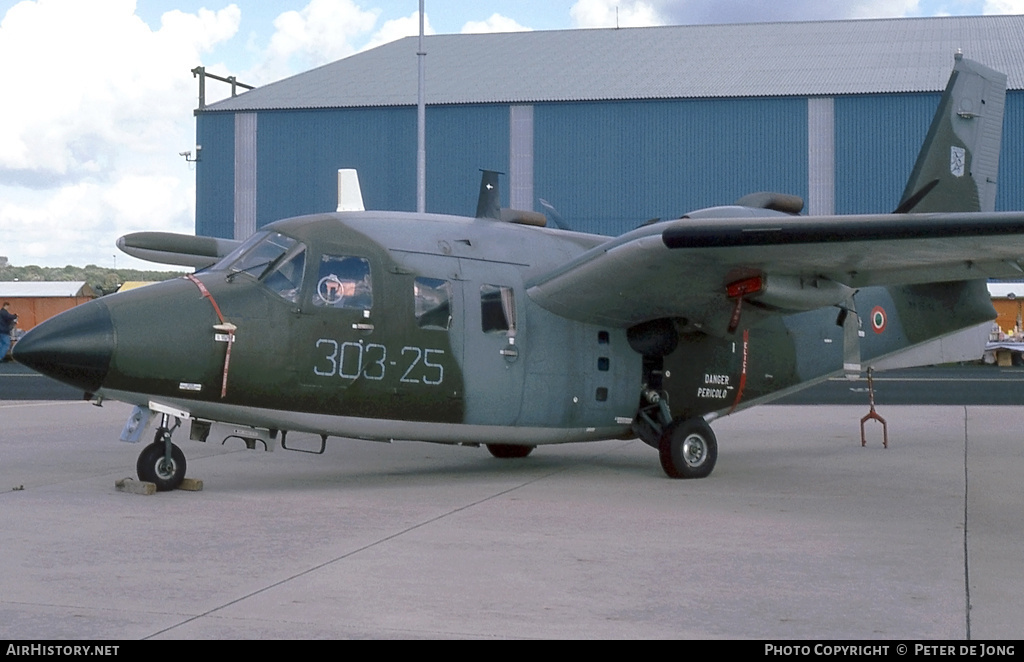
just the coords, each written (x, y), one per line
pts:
(495, 330)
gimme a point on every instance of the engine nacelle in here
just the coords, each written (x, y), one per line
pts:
(790, 293)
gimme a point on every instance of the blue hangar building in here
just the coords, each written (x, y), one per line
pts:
(611, 127)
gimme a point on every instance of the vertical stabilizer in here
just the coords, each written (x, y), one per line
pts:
(488, 205)
(957, 167)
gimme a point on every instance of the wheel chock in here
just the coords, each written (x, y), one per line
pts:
(132, 486)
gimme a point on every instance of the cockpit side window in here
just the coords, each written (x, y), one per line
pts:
(258, 255)
(225, 262)
(432, 303)
(264, 255)
(284, 278)
(343, 281)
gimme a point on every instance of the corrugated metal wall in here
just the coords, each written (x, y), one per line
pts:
(462, 141)
(878, 138)
(1010, 195)
(608, 167)
(877, 141)
(215, 175)
(299, 153)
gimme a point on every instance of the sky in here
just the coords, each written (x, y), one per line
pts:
(98, 94)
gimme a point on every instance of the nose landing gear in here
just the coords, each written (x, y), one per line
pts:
(162, 463)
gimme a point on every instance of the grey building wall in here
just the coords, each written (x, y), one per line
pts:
(821, 156)
(246, 180)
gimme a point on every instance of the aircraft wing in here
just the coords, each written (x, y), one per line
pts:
(696, 269)
(181, 249)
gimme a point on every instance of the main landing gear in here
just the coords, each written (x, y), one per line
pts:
(688, 449)
(162, 463)
(509, 451)
(687, 446)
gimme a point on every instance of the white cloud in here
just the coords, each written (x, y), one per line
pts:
(323, 31)
(395, 29)
(1004, 7)
(637, 13)
(614, 13)
(496, 23)
(97, 107)
(878, 9)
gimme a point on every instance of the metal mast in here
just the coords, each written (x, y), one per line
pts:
(421, 127)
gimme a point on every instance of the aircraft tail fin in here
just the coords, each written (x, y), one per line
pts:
(958, 164)
(488, 205)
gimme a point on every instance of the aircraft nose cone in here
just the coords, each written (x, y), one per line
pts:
(74, 347)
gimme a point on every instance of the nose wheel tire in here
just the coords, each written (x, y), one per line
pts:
(154, 467)
(509, 451)
(688, 449)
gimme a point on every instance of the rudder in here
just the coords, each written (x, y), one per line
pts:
(958, 165)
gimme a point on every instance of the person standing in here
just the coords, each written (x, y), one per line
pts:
(7, 322)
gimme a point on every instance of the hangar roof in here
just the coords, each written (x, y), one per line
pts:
(823, 58)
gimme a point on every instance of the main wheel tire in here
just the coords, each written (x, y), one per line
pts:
(509, 451)
(688, 449)
(153, 466)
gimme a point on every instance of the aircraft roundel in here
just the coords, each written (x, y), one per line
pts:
(878, 319)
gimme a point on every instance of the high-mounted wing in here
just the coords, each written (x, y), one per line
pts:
(181, 249)
(696, 270)
(702, 267)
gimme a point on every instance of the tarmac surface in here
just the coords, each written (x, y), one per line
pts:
(799, 533)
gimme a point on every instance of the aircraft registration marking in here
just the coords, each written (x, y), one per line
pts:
(354, 360)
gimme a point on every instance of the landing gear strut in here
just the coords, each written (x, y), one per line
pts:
(688, 449)
(162, 463)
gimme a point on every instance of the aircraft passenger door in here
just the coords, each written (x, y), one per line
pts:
(341, 365)
(423, 335)
(494, 342)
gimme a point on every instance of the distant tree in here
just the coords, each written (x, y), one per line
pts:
(100, 279)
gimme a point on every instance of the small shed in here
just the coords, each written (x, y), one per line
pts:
(1007, 298)
(35, 302)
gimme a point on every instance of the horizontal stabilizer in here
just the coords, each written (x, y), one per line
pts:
(180, 249)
